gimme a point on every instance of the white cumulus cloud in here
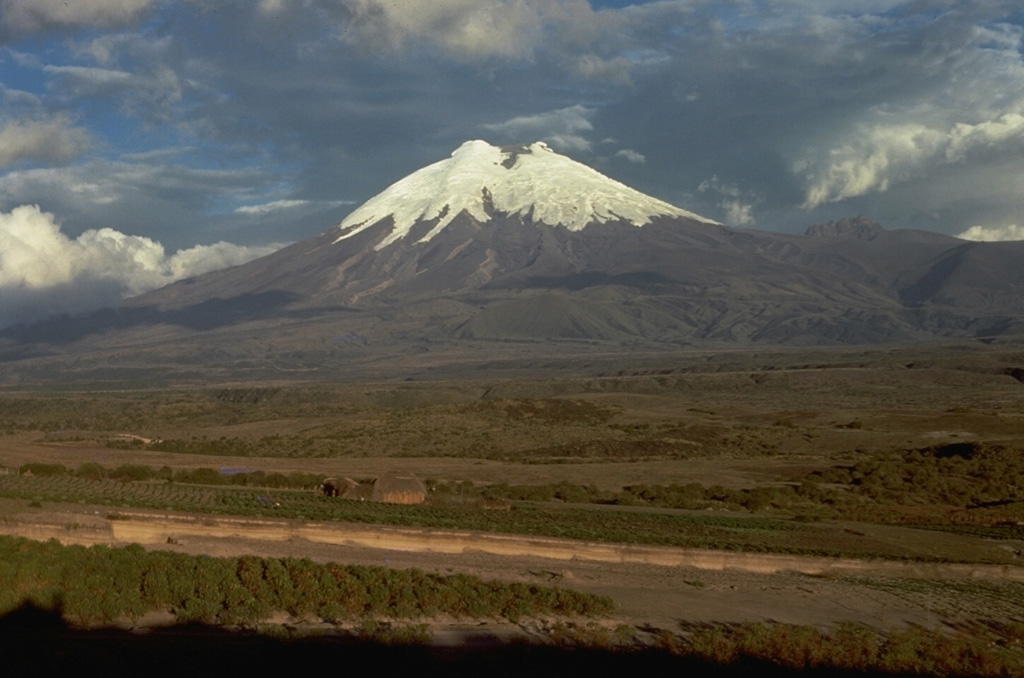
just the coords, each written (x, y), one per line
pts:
(993, 233)
(884, 155)
(43, 271)
(874, 159)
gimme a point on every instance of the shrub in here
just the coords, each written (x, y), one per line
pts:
(39, 469)
(91, 471)
(129, 472)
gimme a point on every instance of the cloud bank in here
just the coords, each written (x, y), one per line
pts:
(27, 16)
(994, 233)
(255, 121)
(465, 29)
(44, 272)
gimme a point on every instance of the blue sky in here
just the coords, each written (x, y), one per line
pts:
(151, 139)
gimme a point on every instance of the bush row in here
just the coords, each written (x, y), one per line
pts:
(102, 584)
(692, 496)
(959, 474)
(199, 476)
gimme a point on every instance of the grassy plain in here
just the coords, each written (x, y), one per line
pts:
(912, 453)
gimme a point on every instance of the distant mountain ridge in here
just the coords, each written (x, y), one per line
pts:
(521, 249)
(857, 227)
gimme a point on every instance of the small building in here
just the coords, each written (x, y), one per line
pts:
(329, 487)
(346, 488)
(357, 491)
(399, 487)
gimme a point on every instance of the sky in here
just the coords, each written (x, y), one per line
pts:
(143, 141)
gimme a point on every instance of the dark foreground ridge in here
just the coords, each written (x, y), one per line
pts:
(36, 641)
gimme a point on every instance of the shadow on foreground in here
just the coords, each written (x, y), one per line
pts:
(36, 641)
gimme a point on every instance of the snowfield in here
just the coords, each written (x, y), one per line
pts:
(529, 181)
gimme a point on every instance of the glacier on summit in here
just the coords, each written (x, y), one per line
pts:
(529, 181)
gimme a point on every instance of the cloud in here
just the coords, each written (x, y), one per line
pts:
(945, 94)
(965, 139)
(16, 97)
(591, 66)
(737, 204)
(871, 162)
(468, 29)
(282, 205)
(268, 207)
(153, 93)
(910, 111)
(54, 140)
(630, 155)
(44, 272)
(884, 155)
(562, 129)
(125, 191)
(993, 233)
(27, 16)
(738, 213)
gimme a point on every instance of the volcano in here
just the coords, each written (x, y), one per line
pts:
(520, 246)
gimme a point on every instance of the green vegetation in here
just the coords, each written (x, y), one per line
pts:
(959, 474)
(980, 598)
(101, 585)
(140, 409)
(693, 531)
(412, 421)
(567, 511)
(969, 488)
(199, 476)
(691, 496)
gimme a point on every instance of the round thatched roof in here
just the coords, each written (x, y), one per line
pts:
(399, 487)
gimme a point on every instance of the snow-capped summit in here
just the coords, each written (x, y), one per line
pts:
(529, 181)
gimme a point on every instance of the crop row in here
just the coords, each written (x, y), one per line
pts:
(591, 524)
(101, 584)
(83, 490)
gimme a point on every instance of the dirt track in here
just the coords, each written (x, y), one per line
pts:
(658, 586)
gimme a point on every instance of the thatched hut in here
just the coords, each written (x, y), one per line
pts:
(346, 488)
(358, 491)
(329, 487)
(399, 487)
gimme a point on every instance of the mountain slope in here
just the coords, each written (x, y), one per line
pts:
(519, 246)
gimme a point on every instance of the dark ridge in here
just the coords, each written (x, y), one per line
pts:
(1015, 372)
(207, 315)
(928, 285)
(858, 227)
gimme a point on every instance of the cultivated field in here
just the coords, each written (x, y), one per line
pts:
(800, 489)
